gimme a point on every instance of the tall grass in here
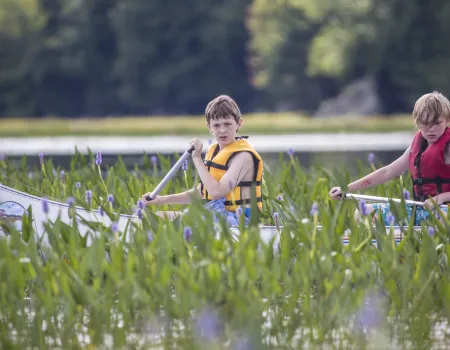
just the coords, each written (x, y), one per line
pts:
(170, 289)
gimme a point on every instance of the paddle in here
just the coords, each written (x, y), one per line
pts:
(170, 174)
(381, 199)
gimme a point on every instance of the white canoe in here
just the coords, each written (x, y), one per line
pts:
(13, 205)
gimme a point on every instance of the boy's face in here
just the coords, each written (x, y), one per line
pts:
(224, 130)
(432, 130)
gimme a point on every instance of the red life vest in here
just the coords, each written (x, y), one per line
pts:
(429, 172)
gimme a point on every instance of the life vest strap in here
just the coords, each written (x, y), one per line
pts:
(210, 164)
(248, 183)
(242, 201)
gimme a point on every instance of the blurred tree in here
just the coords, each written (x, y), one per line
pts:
(173, 57)
(20, 23)
(283, 67)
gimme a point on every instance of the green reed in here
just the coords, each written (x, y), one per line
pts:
(172, 289)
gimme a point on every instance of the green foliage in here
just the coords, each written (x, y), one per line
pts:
(212, 290)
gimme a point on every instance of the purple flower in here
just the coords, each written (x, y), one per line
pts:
(370, 315)
(371, 158)
(110, 198)
(101, 211)
(363, 208)
(54, 172)
(88, 196)
(437, 215)
(140, 204)
(45, 207)
(98, 158)
(149, 236)
(184, 167)
(290, 152)
(154, 160)
(41, 158)
(70, 202)
(431, 231)
(114, 227)
(139, 214)
(187, 232)
(314, 209)
(280, 197)
(208, 325)
(78, 185)
(391, 219)
(406, 194)
(62, 174)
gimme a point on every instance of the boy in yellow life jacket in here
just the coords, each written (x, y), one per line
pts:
(229, 172)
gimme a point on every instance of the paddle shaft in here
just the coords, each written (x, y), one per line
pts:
(381, 199)
(170, 174)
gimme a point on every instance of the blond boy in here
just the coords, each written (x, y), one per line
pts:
(427, 159)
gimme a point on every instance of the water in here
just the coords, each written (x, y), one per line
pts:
(328, 160)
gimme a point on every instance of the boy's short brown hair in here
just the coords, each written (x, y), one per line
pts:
(222, 106)
(433, 104)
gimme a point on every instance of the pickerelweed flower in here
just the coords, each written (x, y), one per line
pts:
(208, 325)
(290, 152)
(41, 158)
(406, 194)
(184, 167)
(280, 197)
(88, 196)
(371, 158)
(139, 214)
(314, 209)
(45, 206)
(363, 208)
(391, 219)
(78, 185)
(431, 231)
(101, 211)
(62, 175)
(70, 202)
(140, 204)
(154, 160)
(98, 158)
(149, 236)
(114, 227)
(370, 315)
(110, 198)
(187, 232)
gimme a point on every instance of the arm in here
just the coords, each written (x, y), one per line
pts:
(382, 175)
(240, 165)
(178, 198)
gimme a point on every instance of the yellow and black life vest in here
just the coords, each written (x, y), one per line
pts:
(217, 164)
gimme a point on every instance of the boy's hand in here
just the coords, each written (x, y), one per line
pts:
(335, 193)
(428, 204)
(198, 146)
(156, 201)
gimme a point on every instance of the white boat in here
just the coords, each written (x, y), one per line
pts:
(14, 204)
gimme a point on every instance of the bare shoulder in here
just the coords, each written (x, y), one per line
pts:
(242, 159)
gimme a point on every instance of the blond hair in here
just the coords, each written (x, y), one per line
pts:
(222, 106)
(433, 104)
